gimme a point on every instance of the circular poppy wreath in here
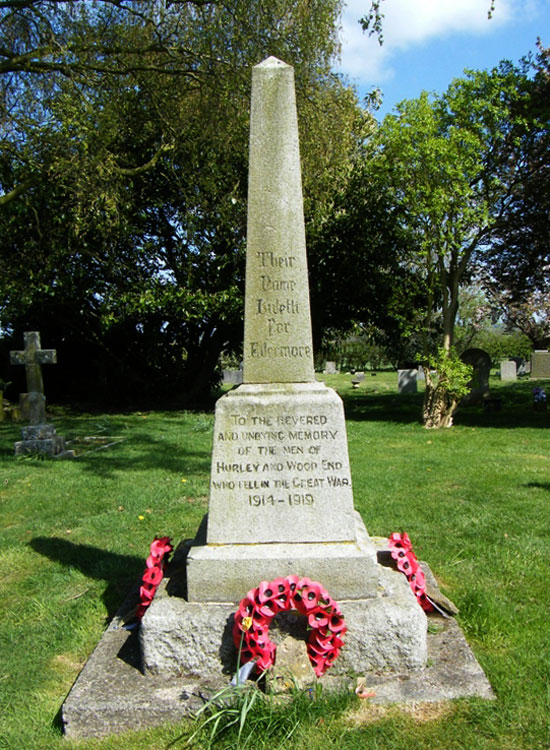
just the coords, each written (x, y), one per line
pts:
(259, 607)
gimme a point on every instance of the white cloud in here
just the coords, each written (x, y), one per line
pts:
(411, 22)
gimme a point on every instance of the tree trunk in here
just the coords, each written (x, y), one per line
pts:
(438, 408)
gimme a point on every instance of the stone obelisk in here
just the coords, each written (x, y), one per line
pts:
(281, 500)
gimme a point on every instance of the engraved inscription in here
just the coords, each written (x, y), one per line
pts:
(280, 317)
(279, 460)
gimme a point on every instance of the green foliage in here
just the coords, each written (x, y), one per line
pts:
(72, 546)
(501, 345)
(452, 374)
(128, 232)
(446, 163)
(520, 250)
(246, 717)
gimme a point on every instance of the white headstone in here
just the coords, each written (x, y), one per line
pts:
(508, 370)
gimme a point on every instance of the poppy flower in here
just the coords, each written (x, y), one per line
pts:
(153, 576)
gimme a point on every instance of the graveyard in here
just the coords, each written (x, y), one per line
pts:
(474, 499)
(206, 535)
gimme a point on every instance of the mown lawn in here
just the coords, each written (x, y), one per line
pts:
(475, 500)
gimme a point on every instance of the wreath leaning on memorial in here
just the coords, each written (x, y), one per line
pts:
(407, 562)
(155, 565)
(259, 607)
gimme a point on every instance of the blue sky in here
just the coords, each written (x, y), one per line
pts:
(427, 43)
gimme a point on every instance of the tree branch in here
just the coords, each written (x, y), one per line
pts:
(21, 188)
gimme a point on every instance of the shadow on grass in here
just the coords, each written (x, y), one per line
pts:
(121, 572)
(516, 410)
(142, 451)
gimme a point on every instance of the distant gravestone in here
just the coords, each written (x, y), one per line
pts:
(38, 437)
(479, 384)
(508, 370)
(406, 381)
(330, 368)
(232, 377)
(421, 374)
(540, 364)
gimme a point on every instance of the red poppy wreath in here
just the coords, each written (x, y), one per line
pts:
(407, 562)
(259, 607)
(154, 571)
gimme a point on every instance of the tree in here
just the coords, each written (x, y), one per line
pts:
(450, 165)
(518, 265)
(132, 238)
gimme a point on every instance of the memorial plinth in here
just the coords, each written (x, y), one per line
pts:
(281, 499)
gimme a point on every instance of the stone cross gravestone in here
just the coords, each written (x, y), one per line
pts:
(38, 437)
(508, 370)
(540, 364)
(32, 356)
(281, 499)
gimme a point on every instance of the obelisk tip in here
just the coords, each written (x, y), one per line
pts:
(272, 62)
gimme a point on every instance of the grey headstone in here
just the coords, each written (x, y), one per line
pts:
(508, 370)
(330, 368)
(232, 377)
(540, 365)
(406, 381)
(281, 499)
(479, 384)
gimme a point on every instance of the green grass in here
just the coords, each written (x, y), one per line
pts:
(475, 500)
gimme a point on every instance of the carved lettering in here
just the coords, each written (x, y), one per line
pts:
(265, 351)
(270, 260)
(277, 285)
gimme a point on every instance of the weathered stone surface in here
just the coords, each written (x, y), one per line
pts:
(38, 432)
(508, 370)
(387, 631)
(226, 572)
(277, 332)
(50, 446)
(540, 365)
(32, 357)
(292, 668)
(479, 384)
(39, 437)
(280, 467)
(113, 695)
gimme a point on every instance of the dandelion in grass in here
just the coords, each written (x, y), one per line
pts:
(141, 518)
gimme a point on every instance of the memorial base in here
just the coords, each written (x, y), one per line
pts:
(42, 438)
(385, 631)
(224, 573)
